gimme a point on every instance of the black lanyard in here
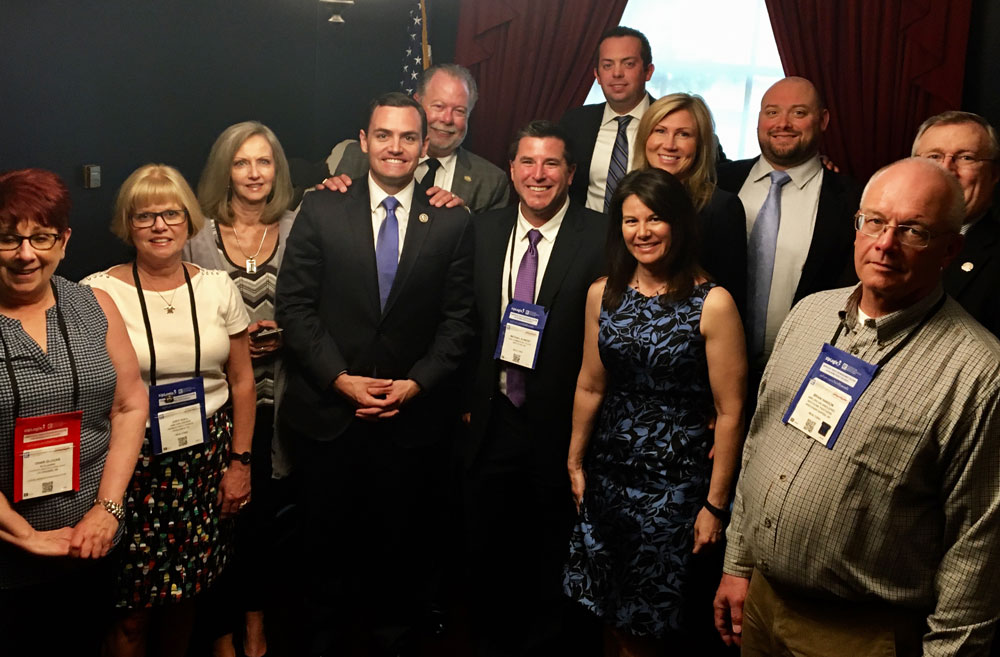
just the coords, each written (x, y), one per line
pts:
(15, 388)
(149, 329)
(902, 343)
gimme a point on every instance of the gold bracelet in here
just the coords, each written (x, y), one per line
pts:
(114, 508)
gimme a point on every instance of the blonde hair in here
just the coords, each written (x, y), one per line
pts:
(699, 180)
(153, 184)
(214, 191)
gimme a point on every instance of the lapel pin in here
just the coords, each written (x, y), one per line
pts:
(468, 178)
(423, 218)
(967, 266)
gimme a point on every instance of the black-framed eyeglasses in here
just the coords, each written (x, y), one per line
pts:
(170, 218)
(874, 226)
(38, 241)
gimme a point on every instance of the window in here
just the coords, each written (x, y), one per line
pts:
(722, 50)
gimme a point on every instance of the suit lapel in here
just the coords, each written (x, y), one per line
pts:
(566, 246)
(976, 253)
(492, 268)
(463, 183)
(358, 215)
(418, 225)
(826, 233)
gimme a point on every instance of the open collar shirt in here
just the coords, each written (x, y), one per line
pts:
(904, 508)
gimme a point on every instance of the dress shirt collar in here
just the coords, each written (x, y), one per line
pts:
(376, 194)
(636, 112)
(447, 162)
(800, 174)
(894, 325)
(549, 229)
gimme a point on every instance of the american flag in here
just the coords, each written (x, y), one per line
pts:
(417, 52)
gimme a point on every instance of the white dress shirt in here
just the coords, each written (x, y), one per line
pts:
(604, 146)
(405, 198)
(549, 230)
(445, 175)
(799, 203)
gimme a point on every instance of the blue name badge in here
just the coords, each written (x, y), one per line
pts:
(827, 396)
(521, 333)
(177, 415)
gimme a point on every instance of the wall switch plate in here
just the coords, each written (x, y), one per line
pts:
(91, 176)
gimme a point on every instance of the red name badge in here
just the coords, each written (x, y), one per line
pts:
(46, 455)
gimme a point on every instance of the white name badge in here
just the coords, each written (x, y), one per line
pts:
(521, 334)
(177, 415)
(46, 455)
(828, 394)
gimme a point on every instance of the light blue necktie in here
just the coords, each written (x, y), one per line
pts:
(760, 262)
(387, 248)
(619, 161)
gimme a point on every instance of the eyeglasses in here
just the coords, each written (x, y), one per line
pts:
(961, 160)
(38, 241)
(909, 235)
(170, 218)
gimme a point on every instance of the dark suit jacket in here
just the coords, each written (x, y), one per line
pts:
(830, 261)
(576, 261)
(482, 185)
(973, 278)
(328, 304)
(723, 227)
(582, 125)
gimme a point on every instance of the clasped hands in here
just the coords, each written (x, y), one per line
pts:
(376, 399)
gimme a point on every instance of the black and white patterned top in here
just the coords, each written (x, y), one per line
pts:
(46, 385)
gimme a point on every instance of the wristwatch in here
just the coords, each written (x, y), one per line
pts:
(114, 508)
(242, 457)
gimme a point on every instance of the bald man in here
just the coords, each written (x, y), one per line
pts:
(812, 247)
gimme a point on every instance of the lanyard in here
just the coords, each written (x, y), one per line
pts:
(902, 343)
(149, 328)
(15, 388)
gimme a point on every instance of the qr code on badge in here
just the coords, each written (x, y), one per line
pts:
(182, 441)
(516, 358)
(47, 486)
(810, 425)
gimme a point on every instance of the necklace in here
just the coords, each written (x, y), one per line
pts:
(169, 305)
(657, 292)
(251, 261)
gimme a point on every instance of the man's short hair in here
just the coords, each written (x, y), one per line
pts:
(541, 129)
(455, 71)
(397, 99)
(955, 117)
(622, 31)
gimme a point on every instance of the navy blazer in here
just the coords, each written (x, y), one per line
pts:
(830, 261)
(576, 261)
(328, 304)
(973, 278)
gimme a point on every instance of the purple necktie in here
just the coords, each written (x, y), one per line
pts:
(387, 249)
(524, 290)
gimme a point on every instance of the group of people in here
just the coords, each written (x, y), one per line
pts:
(566, 379)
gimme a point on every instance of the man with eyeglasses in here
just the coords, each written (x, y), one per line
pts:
(966, 144)
(866, 514)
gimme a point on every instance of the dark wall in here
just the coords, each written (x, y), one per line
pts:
(121, 83)
(981, 91)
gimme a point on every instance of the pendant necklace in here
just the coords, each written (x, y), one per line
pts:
(251, 261)
(169, 307)
(657, 292)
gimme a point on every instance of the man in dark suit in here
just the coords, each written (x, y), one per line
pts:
(966, 144)
(603, 134)
(375, 296)
(447, 93)
(517, 487)
(810, 241)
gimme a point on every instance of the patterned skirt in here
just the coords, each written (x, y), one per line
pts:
(176, 542)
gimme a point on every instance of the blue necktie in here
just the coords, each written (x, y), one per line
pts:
(760, 263)
(619, 161)
(387, 248)
(524, 290)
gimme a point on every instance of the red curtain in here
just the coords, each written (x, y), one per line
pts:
(532, 59)
(883, 66)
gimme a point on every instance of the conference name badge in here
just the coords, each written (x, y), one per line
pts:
(177, 415)
(825, 399)
(521, 333)
(46, 455)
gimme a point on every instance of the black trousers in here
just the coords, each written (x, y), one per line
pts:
(518, 517)
(373, 514)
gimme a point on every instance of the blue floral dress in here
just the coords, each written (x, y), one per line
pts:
(647, 466)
